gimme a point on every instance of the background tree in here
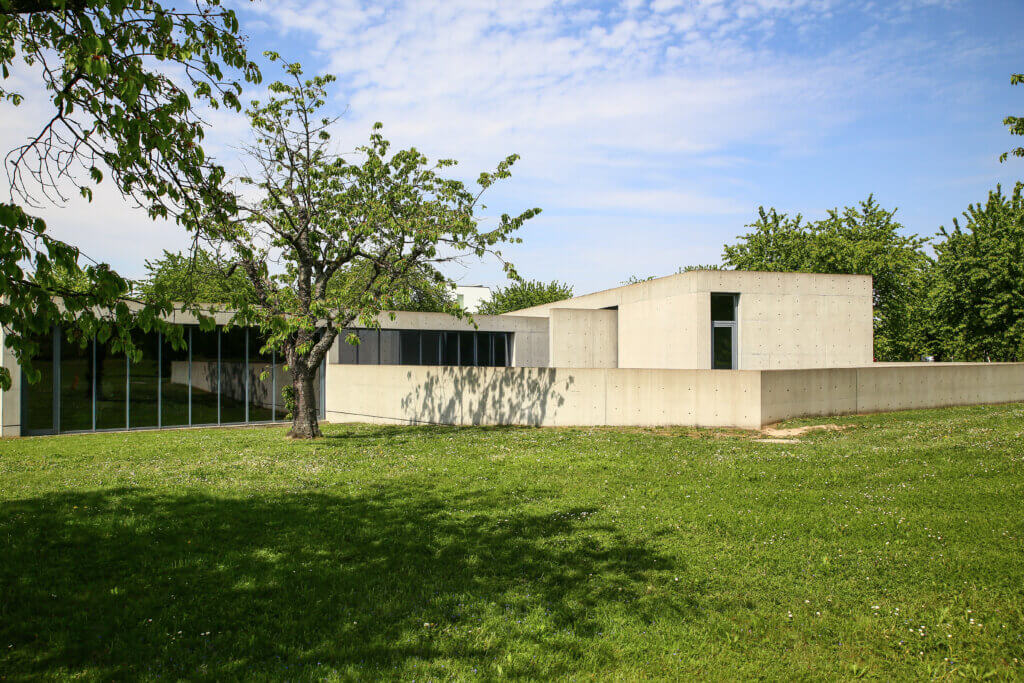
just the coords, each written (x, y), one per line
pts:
(196, 277)
(1014, 123)
(524, 294)
(201, 277)
(315, 215)
(114, 110)
(978, 295)
(862, 240)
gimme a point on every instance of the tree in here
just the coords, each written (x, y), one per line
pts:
(314, 214)
(1014, 123)
(103, 65)
(196, 278)
(978, 296)
(525, 294)
(863, 240)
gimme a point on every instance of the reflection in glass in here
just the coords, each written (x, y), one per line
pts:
(111, 388)
(233, 375)
(261, 389)
(75, 385)
(450, 348)
(348, 354)
(500, 349)
(369, 347)
(174, 383)
(38, 397)
(410, 342)
(722, 339)
(143, 382)
(389, 347)
(204, 377)
(431, 348)
(467, 348)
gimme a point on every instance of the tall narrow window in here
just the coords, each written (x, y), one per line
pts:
(261, 379)
(234, 378)
(174, 382)
(723, 331)
(205, 376)
(37, 403)
(75, 385)
(144, 381)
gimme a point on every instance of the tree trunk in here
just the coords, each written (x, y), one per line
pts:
(304, 418)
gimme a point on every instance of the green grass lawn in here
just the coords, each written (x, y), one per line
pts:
(894, 548)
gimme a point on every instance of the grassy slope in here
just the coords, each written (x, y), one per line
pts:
(895, 548)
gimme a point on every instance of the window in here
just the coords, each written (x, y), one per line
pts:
(213, 377)
(426, 347)
(724, 331)
(38, 401)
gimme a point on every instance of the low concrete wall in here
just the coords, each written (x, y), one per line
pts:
(885, 387)
(747, 399)
(541, 396)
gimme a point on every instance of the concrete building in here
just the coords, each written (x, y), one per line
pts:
(703, 348)
(471, 296)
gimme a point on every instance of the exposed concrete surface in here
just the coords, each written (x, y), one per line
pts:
(651, 397)
(581, 338)
(10, 400)
(542, 396)
(786, 320)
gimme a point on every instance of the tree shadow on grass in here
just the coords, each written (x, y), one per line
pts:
(130, 582)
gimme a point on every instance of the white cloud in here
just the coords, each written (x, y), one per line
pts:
(652, 109)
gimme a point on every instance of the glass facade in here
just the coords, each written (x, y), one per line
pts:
(424, 347)
(216, 377)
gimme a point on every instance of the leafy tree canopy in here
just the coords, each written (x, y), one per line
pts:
(115, 112)
(978, 295)
(525, 294)
(861, 240)
(1014, 123)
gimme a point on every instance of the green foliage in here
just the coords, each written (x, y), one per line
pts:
(1014, 123)
(425, 289)
(115, 113)
(978, 295)
(198, 277)
(862, 240)
(525, 294)
(891, 548)
(380, 221)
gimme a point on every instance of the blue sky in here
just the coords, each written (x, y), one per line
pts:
(651, 131)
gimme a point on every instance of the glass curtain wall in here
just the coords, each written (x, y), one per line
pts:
(216, 377)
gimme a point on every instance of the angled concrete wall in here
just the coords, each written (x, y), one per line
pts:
(579, 338)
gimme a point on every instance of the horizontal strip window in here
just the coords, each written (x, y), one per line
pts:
(219, 377)
(424, 347)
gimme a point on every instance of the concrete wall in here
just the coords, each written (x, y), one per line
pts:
(615, 396)
(885, 387)
(786, 320)
(407, 394)
(583, 338)
(10, 400)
